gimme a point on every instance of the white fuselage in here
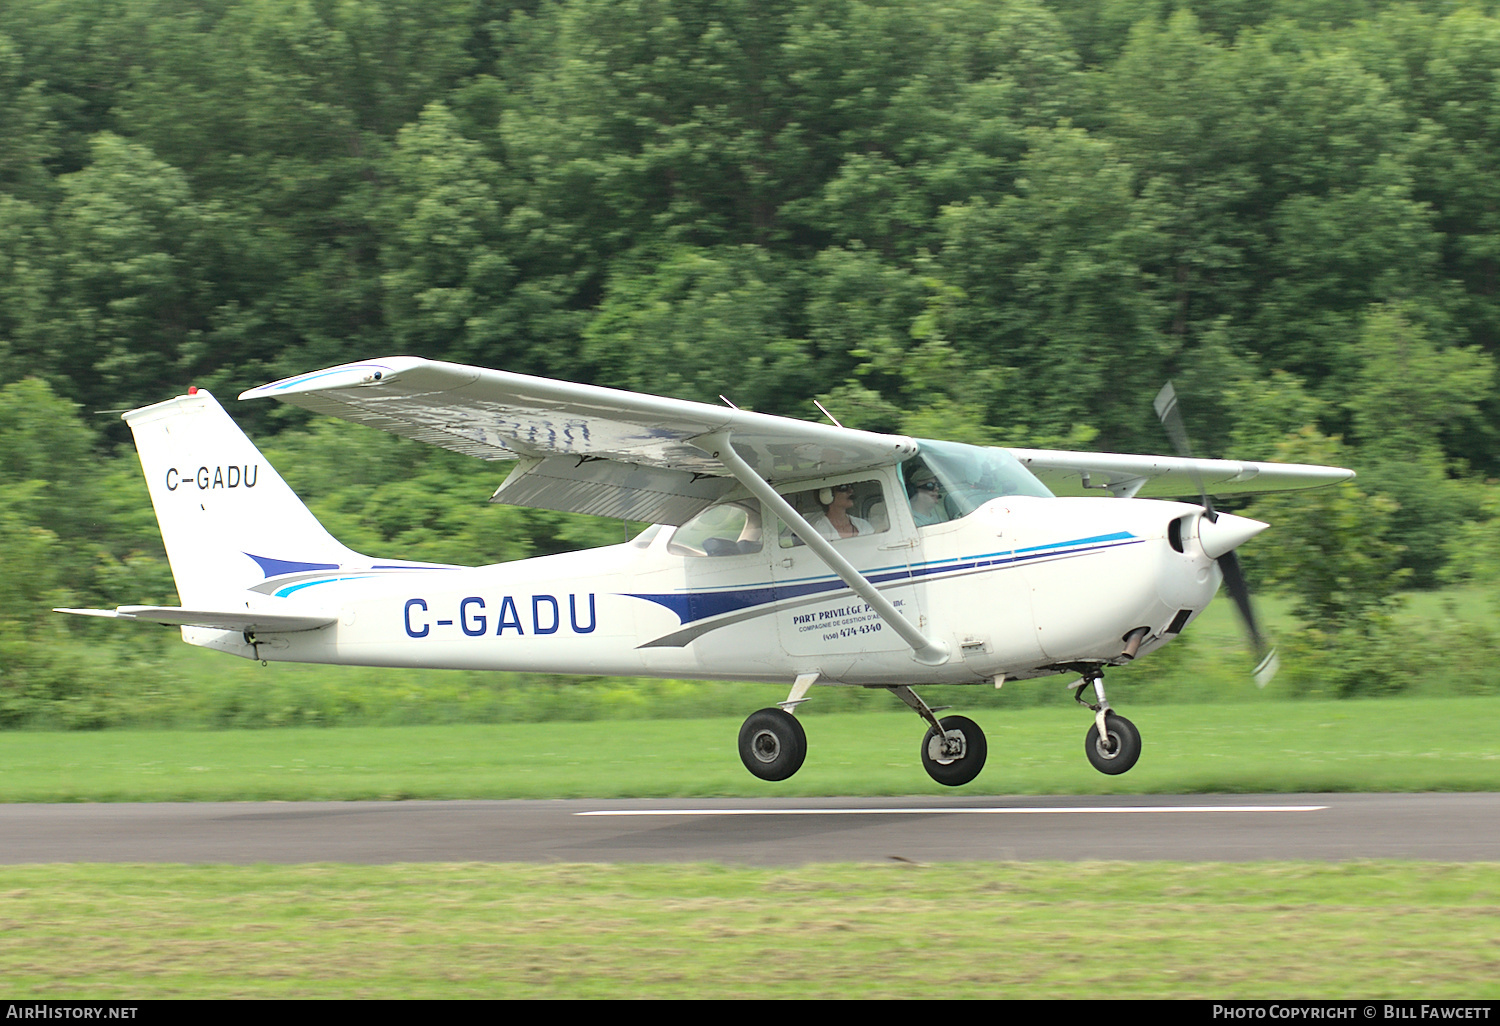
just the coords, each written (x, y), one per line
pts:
(1021, 587)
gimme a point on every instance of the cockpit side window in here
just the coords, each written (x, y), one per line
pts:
(949, 480)
(723, 529)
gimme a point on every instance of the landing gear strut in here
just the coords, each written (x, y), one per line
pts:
(1113, 744)
(954, 749)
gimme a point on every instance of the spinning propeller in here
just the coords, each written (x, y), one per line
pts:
(1219, 534)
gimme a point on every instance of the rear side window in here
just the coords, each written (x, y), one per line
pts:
(845, 509)
(724, 529)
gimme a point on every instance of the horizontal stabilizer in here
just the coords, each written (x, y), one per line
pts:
(243, 620)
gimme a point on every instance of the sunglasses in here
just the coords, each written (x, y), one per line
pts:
(930, 486)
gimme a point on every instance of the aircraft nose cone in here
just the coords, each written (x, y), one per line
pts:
(1227, 533)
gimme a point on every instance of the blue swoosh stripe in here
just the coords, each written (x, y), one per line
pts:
(302, 379)
(692, 606)
(273, 567)
(284, 592)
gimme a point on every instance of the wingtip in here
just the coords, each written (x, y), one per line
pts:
(348, 375)
(111, 614)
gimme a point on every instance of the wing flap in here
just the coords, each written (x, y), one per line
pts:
(607, 488)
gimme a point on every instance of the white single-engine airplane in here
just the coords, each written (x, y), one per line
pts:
(784, 551)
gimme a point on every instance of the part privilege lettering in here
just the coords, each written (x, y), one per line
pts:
(1414, 1011)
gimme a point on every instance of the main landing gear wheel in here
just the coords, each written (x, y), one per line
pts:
(773, 744)
(1118, 750)
(957, 755)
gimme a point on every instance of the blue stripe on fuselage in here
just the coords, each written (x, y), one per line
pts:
(691, 606)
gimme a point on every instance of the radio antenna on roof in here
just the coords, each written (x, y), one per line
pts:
(827, 414)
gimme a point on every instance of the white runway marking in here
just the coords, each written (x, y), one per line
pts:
(1042, 810)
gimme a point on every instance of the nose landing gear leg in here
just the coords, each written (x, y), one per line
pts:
(1113, 744)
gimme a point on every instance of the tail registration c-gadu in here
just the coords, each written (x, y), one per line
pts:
(784, 551)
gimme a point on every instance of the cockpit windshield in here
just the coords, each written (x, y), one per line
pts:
(954, 479)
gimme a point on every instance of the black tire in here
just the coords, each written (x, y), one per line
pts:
(773, 744)
(1121, 751)
(954, 771)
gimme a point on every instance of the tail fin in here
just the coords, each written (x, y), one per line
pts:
(228, 519)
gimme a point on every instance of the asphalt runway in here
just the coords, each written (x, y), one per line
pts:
(1329, 827)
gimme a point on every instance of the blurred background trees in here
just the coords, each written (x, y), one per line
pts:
(1004, 221)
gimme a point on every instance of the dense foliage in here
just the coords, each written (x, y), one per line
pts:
(992, 220)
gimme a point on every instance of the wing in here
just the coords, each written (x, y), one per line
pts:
(584, 449)
(1089, 473)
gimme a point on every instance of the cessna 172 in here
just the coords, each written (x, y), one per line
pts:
(784, 551)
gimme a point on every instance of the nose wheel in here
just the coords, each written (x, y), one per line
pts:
(1112, 744)
(1116, 749)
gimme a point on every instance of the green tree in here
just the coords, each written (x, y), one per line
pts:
(131, 302)
(449, 277)
(29, 334)
(700, 324)
(80, 526)
(1052, 285)
(23, 124)
(1408, 395)
(1178, 109)
(1335, 554)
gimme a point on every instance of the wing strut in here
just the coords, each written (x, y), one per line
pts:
(928, 651)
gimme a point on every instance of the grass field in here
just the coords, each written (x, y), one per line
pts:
(1396, 744)
(994, 930)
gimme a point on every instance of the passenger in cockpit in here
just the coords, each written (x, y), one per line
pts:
(835, 522)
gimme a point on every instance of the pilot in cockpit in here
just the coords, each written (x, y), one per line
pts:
(927, 498)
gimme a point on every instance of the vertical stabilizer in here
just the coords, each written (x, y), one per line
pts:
(228, 519)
